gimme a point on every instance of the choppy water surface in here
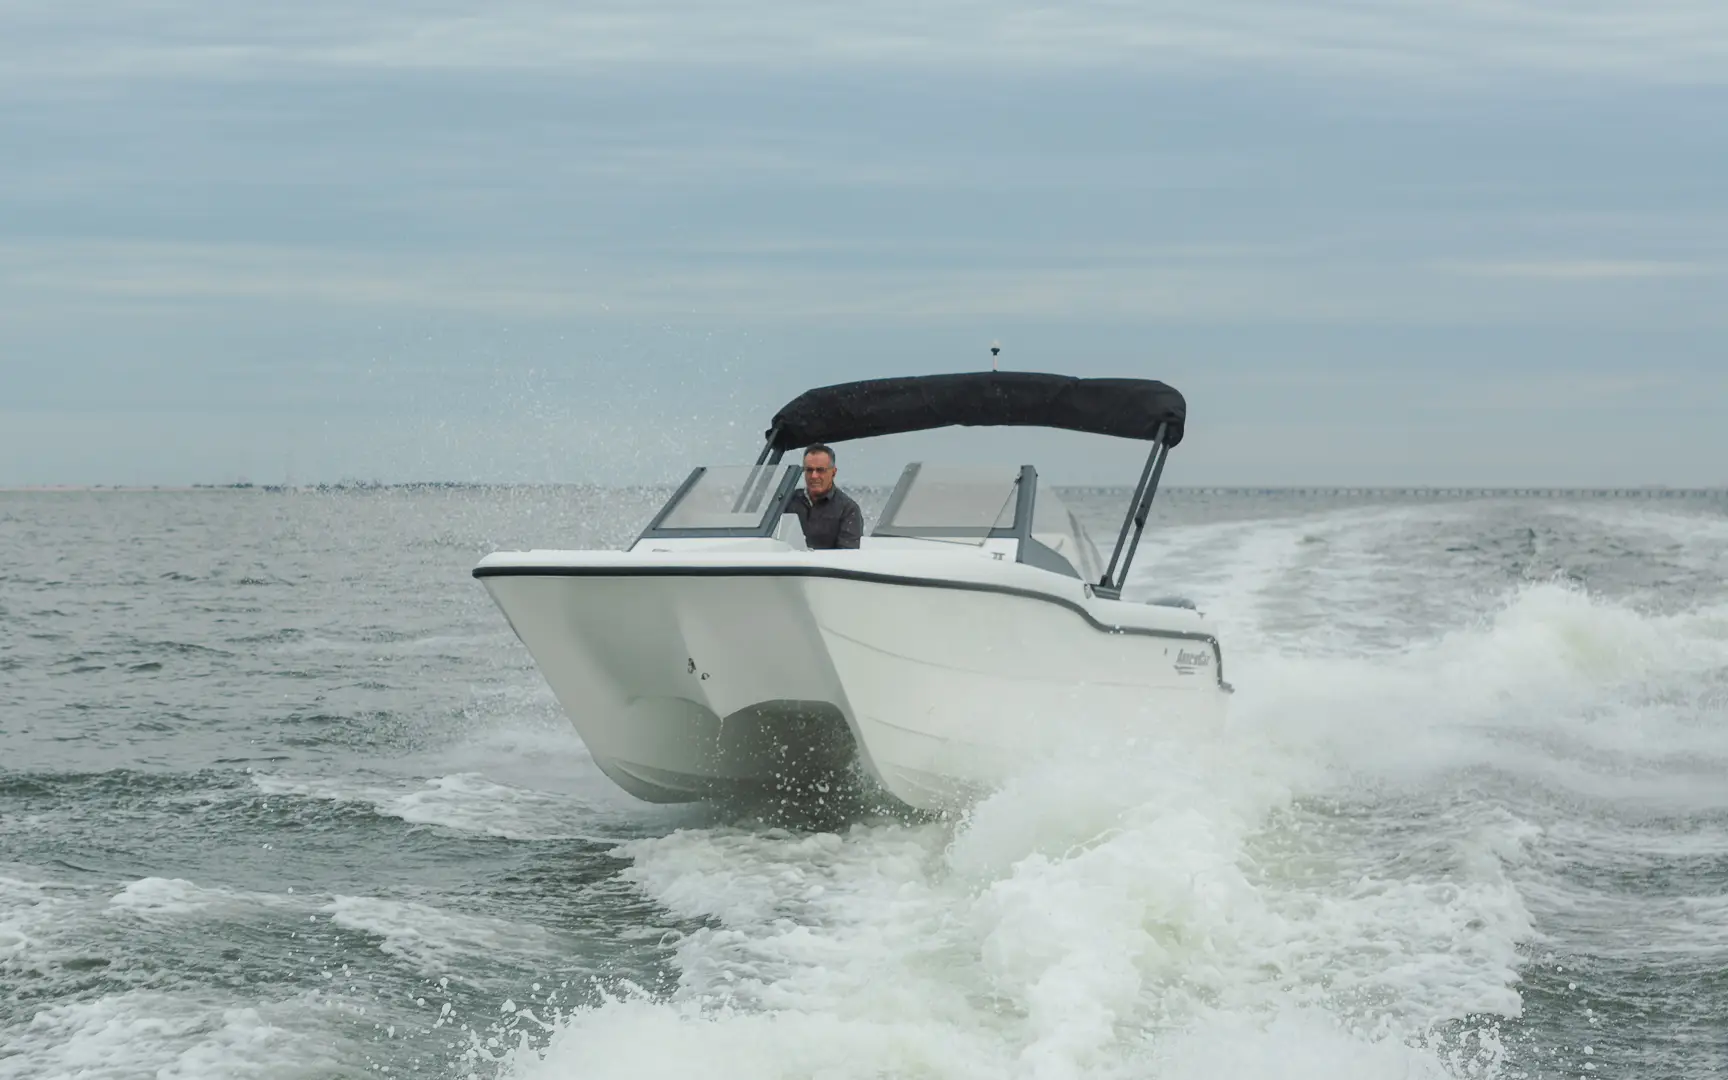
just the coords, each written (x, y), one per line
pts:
(281, 796)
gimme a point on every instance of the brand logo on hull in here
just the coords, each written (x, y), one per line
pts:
(1190, 663)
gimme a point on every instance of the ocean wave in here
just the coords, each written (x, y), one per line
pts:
(439, 942)
(462, 802)
(185, 1036)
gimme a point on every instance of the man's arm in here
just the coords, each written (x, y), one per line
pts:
(851, 527)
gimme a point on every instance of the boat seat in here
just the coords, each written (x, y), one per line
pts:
(790, 531)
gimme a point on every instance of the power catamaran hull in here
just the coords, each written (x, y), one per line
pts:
(974, 632)
(742, 675)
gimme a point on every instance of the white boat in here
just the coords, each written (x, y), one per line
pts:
(975, 629)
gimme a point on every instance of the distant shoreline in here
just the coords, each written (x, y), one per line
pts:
(1653, 491)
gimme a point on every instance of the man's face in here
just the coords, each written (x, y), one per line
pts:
(818, 474)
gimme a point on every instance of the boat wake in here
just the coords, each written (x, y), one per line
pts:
(1094, 919)
(1334, 885)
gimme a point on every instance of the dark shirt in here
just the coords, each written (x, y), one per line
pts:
(832, 521)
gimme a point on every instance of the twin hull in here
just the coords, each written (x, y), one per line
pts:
(693, 681)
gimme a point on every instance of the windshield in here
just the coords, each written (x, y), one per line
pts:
(959, 503)
(1057, 528)
(726, 497)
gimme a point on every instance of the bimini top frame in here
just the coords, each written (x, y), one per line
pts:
(1127, 408)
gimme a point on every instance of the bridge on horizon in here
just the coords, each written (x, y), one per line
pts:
(1443, 492)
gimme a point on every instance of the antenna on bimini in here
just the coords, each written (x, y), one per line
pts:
(995, 348)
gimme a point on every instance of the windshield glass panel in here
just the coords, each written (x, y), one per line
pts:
(1057, 528)
(726, 497)
(961, 503)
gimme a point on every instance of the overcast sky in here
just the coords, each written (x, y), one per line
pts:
(1413, 241)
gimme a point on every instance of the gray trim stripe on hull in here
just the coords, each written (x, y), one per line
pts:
(851, 575)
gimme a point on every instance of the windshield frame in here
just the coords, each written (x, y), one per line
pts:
(1027, 548)
(757, 479)
(974, 534)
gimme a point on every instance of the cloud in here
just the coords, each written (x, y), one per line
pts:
(1585, 270)
(748, 281)
(336, 212)
(1668, 41)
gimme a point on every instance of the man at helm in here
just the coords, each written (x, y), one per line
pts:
(830, 517)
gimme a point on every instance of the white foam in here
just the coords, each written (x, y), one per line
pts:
(436, 941)
(29, 910)
(464, 802)
(472, 803)
(527, 749)
(1299, 1044)
(168, 1036)
(1566, 689)
(169, 897)
(1072, 925)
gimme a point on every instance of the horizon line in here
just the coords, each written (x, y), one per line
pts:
(1237, 488)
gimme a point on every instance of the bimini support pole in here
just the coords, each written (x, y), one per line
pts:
(1140, 515)
(1138, 508)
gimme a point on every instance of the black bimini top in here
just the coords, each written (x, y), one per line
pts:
(1129, 408)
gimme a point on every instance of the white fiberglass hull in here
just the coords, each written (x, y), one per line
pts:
(708, 674)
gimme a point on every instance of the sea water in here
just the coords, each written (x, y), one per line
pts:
(281, 796)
